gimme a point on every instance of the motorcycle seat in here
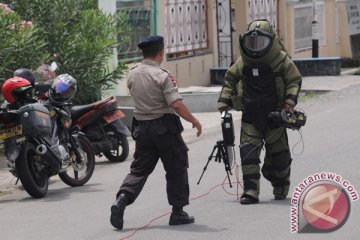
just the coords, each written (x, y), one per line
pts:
(79, 111)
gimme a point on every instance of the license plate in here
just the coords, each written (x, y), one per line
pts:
(10, 132)
(112, 116)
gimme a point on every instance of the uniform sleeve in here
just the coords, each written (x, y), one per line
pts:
(232, 77)
(170, 89)
(292, 79)
(128, 81)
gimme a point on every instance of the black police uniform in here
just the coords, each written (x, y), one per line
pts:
(157, 133)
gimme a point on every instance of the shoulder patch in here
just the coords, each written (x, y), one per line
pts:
(172, 79)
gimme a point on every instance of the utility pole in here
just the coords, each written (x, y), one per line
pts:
(315, 32)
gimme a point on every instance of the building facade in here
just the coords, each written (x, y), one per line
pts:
(293, 21)
(204, 34)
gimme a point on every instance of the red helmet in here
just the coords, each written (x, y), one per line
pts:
(15, 88)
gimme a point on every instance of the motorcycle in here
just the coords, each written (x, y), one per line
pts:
(40, 142)
(102, 125)
(100, 121)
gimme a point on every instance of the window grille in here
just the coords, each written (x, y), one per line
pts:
(186, 26)
(263, 9)
(138, 24)
(337, 23)
(303, 14)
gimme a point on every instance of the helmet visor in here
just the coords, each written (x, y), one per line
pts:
(62, 90)
(63, 95)
(256, 43)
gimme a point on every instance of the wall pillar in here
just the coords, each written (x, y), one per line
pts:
(109, 6)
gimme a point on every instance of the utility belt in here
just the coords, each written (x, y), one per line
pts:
(148, 122)
(169, 121)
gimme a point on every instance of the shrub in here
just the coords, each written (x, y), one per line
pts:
(21, 45)
(83, 39)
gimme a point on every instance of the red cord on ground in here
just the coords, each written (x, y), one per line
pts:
(138, 229)
(195, 198)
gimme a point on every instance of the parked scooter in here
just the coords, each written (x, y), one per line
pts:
(101, 123)
(38, 139)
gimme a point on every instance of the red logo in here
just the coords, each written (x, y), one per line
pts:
(173, 79)
(325, 208)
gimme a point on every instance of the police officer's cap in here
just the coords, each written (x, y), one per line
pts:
(151, 41)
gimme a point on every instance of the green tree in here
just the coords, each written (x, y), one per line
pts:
(83, 39)
(21, 45)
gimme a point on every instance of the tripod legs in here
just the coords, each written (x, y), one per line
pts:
(221, 154)
(206, 165)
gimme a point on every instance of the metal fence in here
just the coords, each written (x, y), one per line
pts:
(186, 25)
(263, 9)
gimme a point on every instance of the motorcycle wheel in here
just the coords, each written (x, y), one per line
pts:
(34, 181)
(115, 155)
(80, 174)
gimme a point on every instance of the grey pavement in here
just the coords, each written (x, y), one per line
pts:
(331, 144)
(315, 83)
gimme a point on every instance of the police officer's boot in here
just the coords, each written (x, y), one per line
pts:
(179, 216)
(117, 210)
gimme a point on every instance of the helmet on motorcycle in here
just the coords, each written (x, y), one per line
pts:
(26, 74)
(62, 89)
(15, 89)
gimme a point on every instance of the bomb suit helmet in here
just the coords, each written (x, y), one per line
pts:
(258, 38)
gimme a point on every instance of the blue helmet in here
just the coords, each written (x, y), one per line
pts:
(62, 89)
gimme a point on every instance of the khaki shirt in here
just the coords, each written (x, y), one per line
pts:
(153, 90)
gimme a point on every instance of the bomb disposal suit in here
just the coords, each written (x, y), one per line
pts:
(263, 79)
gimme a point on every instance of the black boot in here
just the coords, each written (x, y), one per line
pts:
(117, 210)
(179, 216)
(280, 192)
(248, 199)
(279, 197)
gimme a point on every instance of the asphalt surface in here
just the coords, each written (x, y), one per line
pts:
(331, 144)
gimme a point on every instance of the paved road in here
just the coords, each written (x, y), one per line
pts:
(331, 139)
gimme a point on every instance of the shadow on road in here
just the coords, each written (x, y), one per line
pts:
(286, 202)
(183, 228)
(53, 195)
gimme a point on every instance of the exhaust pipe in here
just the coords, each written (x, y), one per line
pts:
(49, 156)
(41, 149)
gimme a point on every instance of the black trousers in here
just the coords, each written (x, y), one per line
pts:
(155, 140)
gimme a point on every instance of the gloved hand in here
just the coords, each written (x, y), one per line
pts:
(222, 109)
(288, 107)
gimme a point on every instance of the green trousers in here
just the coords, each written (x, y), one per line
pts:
(277, 161)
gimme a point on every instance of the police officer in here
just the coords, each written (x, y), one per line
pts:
(157, 132)
(263, 79)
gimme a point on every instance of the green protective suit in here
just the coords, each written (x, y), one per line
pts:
(276, 167)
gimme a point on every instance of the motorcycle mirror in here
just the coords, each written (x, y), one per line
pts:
(53, 66)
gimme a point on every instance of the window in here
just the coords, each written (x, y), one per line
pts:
(186, 27)
(337, 23)
(138, 21)
(263, 9)
(303, 27)
(303, 24)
